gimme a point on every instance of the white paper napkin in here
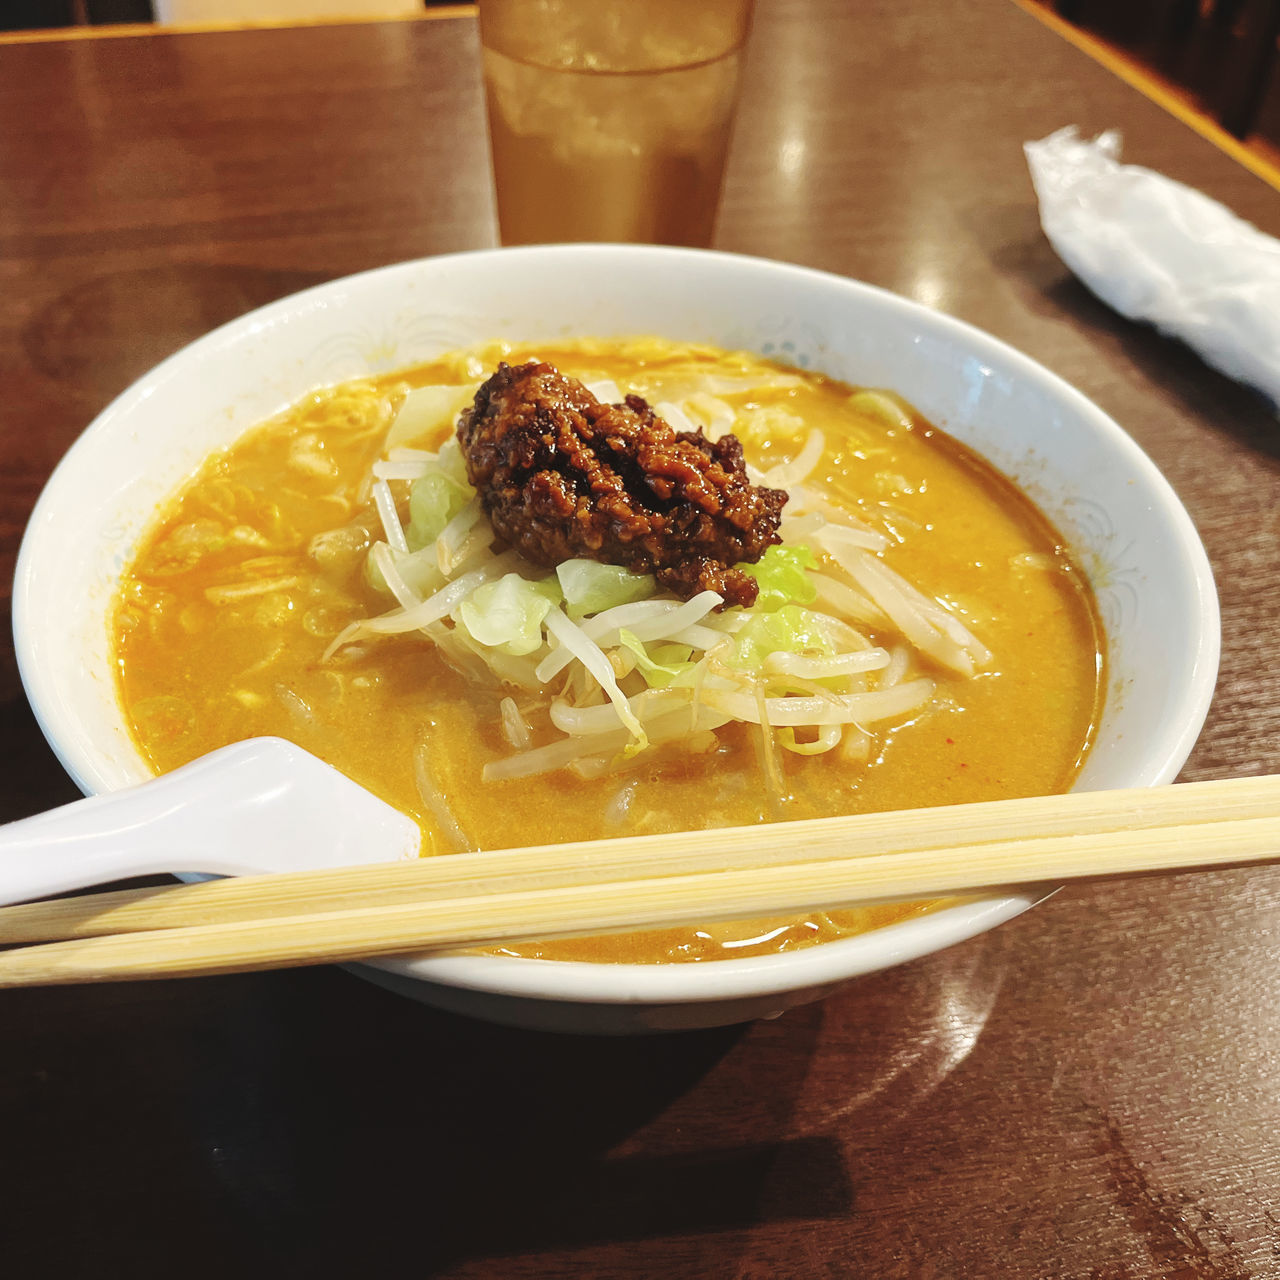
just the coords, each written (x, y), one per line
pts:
(1159, 251)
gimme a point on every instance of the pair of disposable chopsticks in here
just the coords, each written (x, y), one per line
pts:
(474, 899)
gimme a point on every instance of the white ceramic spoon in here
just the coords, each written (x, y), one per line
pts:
(256, 806)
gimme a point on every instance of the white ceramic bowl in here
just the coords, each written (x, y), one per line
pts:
(1127, 528)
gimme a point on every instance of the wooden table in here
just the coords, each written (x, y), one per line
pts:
(1090, 1091)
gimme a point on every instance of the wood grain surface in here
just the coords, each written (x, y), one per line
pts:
(1091, 1091)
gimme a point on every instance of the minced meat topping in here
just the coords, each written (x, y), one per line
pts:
(562, 475)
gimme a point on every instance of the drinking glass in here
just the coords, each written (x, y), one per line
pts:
(610, 119)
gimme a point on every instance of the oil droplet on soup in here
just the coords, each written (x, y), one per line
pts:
(236, 593)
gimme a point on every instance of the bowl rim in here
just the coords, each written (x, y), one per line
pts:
(685, 982)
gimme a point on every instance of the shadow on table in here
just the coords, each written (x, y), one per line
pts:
(32, 779)
(315, 1123)
(493, 1143)
(305, 1123)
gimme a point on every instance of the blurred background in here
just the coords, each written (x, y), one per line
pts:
(1210, 61)
(34, 15)
(1213, 56)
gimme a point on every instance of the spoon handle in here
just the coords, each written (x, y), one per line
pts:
(257, 806)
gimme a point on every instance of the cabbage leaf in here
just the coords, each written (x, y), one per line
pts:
(436, 497)
(507, 614)
(782, 577)
(590, 586)
(789, 629)
(662, 666)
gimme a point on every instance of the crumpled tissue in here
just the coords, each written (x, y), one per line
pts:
(1159, 251)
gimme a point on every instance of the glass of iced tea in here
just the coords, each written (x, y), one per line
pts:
(610, 119)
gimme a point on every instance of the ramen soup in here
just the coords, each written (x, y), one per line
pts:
(920, 635)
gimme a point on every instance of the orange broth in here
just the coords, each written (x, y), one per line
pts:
(228, 607)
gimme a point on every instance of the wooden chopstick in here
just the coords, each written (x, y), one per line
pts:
(647, 881)
(597, 861)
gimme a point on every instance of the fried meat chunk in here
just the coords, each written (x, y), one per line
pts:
(562, 475)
